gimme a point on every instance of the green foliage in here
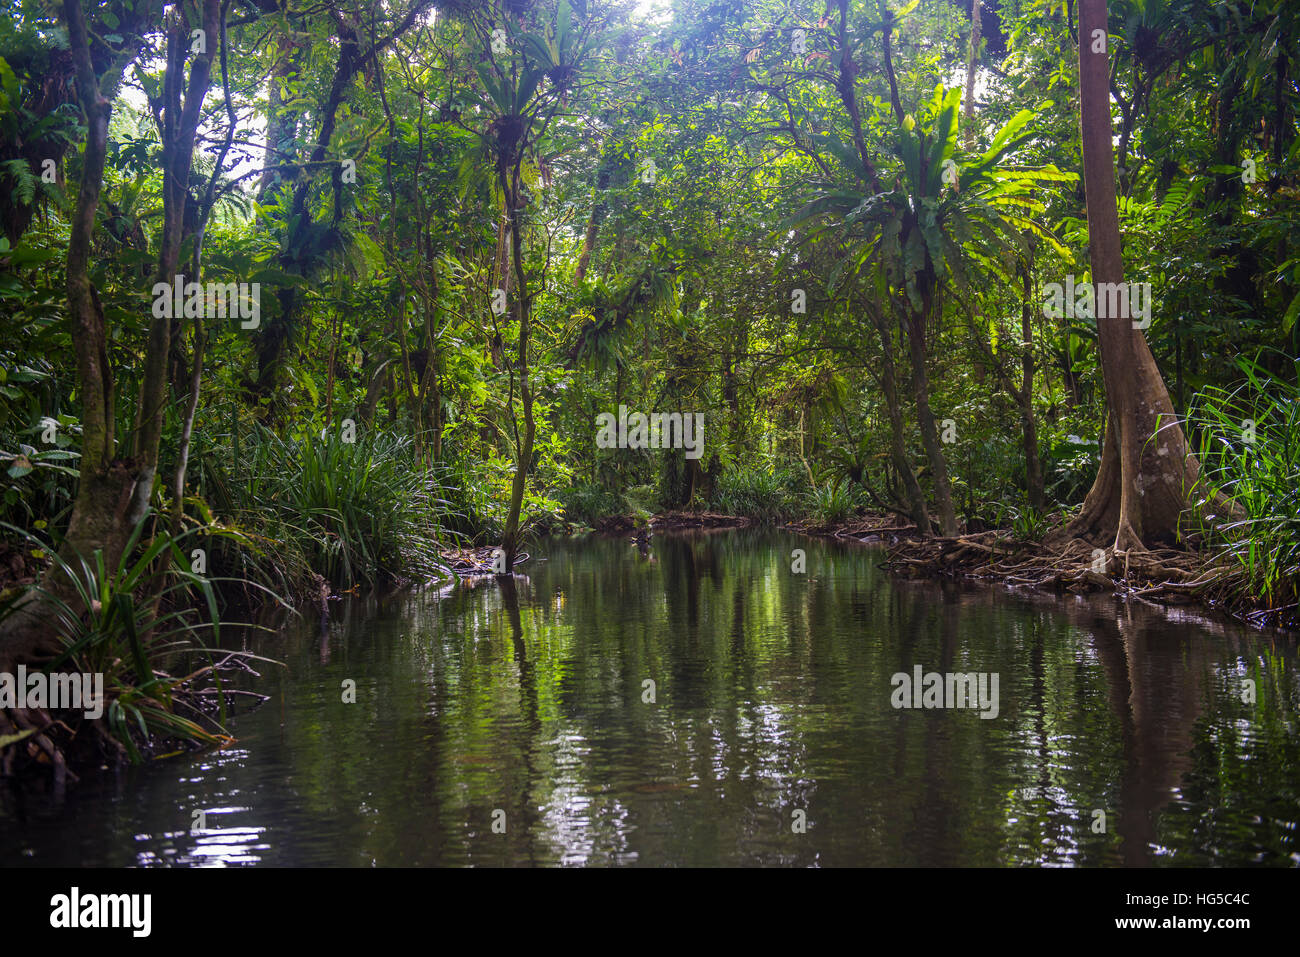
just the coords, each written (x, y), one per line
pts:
(1250, 452)
(833, 502)
(132, 629)
(643, 500)
(668, 293)
(754, 493)
(37, 483)
(586, 504)
(1070, 468)
(1029, 524)
(358, 513)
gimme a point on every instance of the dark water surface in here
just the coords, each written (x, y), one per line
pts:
(772, 696)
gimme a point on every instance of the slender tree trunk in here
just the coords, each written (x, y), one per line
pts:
(1028, 424)
(435, 399)
(408, 374)
(430, 378)
(280, 160)
(181, 116)
(187, 428)
(898, 448)
(803, 414)
(972, 61)
(202, 215)
(588, 243)
(916, 327)
(330, 369)
(374, 390)
(523, 308)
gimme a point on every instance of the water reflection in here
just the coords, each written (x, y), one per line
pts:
(694, 702)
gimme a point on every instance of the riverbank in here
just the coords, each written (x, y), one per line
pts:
(1162, 577)
(1158, 576)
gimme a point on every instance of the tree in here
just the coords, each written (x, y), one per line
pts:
(525, 92)
(309, 237)
(116, 484)
(1147, 473)
(940, 223)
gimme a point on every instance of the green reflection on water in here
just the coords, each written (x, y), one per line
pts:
(771, 695)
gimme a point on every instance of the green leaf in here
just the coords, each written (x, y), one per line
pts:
(8, 739)
(8, 81)
(1292, 311)
(1006, 138)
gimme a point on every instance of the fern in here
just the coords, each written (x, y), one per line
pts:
(25, 184)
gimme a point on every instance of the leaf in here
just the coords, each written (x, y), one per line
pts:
(8, 81)
(494, 89)
(539, 51)
(945, 143)
(205, 512)
(1005, 138)
(527, 87)
(152, 84)
(1292, 311)
(8, 739)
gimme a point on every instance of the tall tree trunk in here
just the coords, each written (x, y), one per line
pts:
(897, 447)
(588, 243)
(280, 160)
(1147, 470)
(203, 214)
(523, 308)
(972, 60)
(1028, 424)
(916, 326)
(181, 115)
(109, 496)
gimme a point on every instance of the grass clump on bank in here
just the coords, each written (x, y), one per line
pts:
(362, 513)
(147, 631)
(1250, 452)
(757, 493)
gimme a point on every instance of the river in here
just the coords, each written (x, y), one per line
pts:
(701, 703)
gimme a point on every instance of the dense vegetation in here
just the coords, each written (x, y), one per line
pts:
(829, 228)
